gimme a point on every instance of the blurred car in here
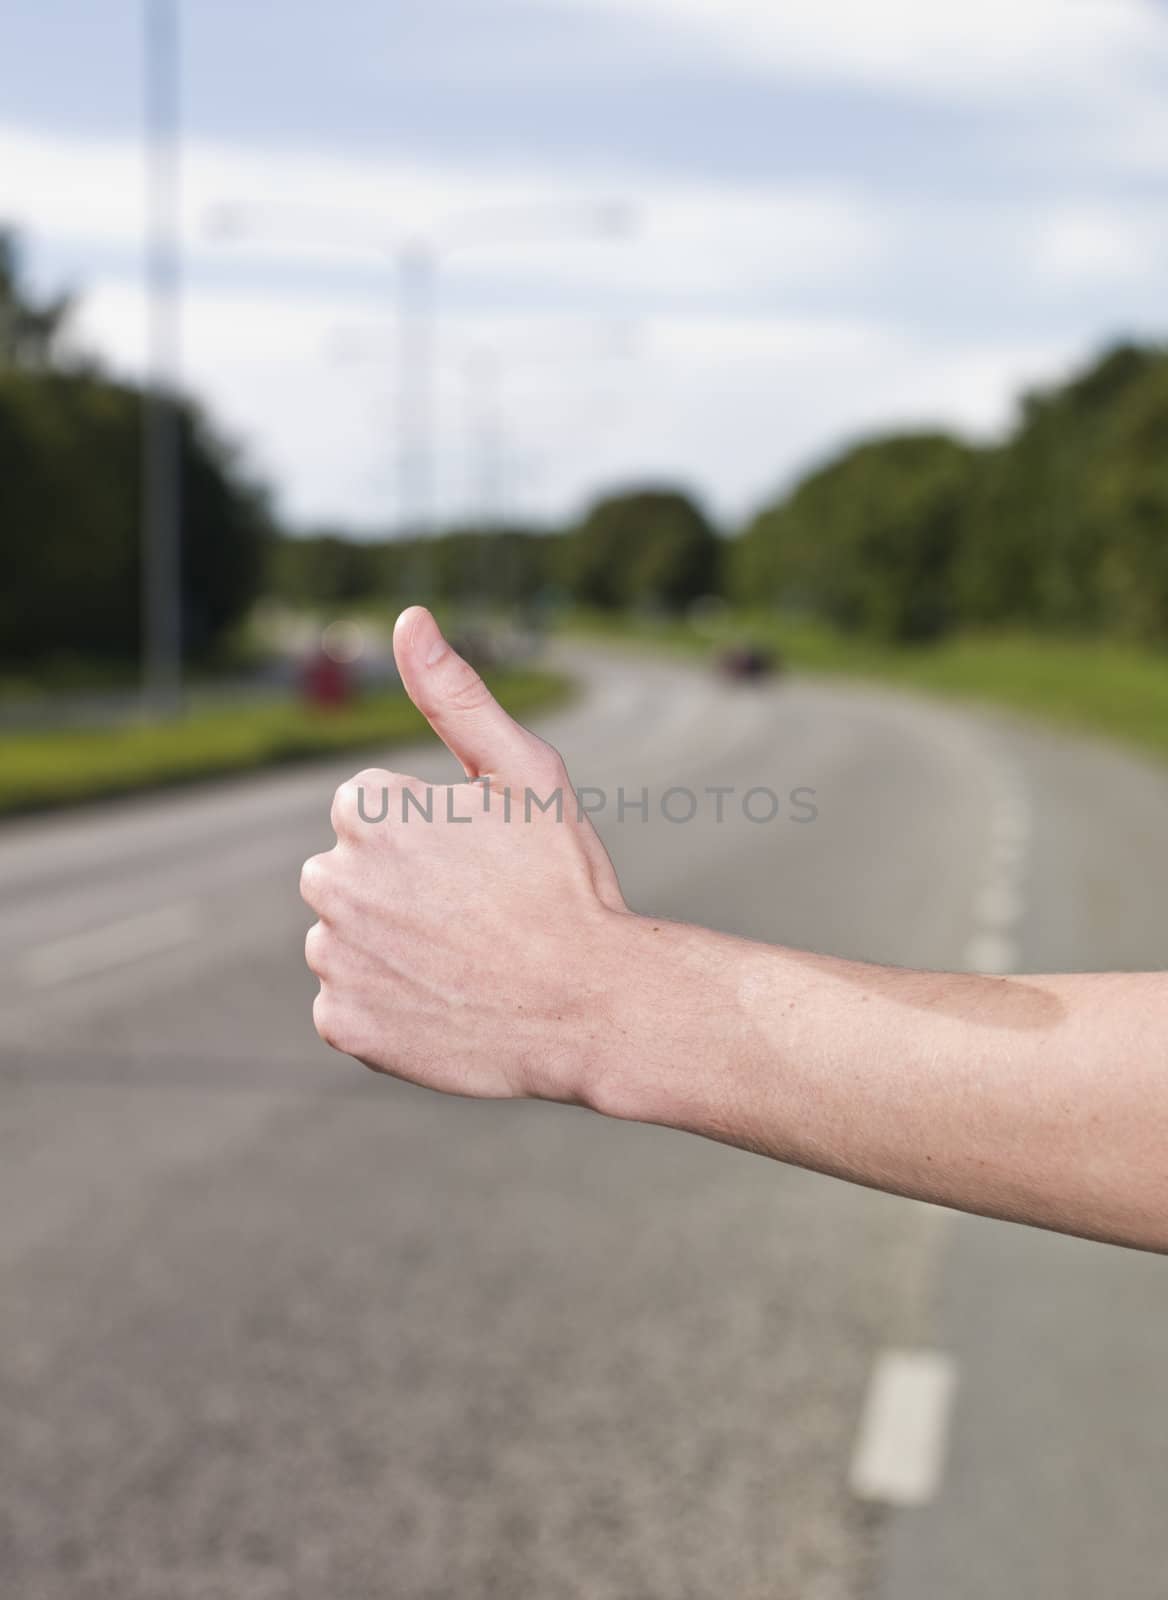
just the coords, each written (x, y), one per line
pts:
(747, 663)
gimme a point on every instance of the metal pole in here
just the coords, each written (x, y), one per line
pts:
(484, 436)
(161, 462)
(416, 313)
(483, 376)
(492, 471)
(492, 440)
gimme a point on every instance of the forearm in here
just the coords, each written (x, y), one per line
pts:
(1039, 1099)
(489, 952)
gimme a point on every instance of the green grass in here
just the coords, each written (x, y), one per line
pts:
(62, 767)
(1087, 685)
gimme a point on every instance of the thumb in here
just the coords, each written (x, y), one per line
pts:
(456, 702)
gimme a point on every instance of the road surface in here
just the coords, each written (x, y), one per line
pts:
(277, 1329)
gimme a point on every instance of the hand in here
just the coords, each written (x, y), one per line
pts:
(464, 938)
(495, 956)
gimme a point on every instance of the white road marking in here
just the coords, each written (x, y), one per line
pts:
(1007, 855)
(79, 955)
(899, 1456)
(991, 952)
(1012, 825)
(999, 904)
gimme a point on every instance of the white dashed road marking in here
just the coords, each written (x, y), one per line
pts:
(79, 955)
(899, 1457)
(1011, 824)
(999, 904)
(990, 952)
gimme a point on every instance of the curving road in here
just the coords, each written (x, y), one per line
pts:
(275, 1328)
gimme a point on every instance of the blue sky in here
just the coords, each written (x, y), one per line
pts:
(848, 217)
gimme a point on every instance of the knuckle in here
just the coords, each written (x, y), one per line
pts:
(328, 1019)
(359, 798)
(372, 778)
(341, 807)
(314, 879)
(322, 1016)
(317, 949)
(548, 762)
(343, 812)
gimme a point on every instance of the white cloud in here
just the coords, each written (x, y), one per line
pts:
(265, 367)
(993, 49)
(1090, 246)
(261, 357)
(731, 405)
(1134, 142)
(739, 407)
(342, 212)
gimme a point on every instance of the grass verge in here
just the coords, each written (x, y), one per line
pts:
(1090, 686)
(58, 767)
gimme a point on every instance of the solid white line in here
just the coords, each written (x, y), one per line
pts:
(900, 1448)
(79, 955)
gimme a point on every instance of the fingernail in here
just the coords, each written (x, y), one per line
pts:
(436, 651)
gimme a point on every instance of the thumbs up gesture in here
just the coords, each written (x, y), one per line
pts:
(465, 933)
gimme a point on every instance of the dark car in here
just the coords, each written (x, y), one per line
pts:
(748, 662)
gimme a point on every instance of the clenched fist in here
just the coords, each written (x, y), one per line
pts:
(468, 934)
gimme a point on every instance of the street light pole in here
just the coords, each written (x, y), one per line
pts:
(416, 265)
(161, 497)
(418, 262)
(483, 371)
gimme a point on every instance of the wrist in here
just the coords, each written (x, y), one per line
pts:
(668, 1039)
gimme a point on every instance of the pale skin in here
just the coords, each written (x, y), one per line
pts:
(496, 957)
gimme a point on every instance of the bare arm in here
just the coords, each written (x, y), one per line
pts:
(1038, 1099)
(495, 956)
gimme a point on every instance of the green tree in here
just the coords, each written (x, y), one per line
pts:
(30, 329)
(868, 541)
(70, 477)
(1068, 523)
(324, 568)
(1125, 509)
(70, 470)
(648, 548)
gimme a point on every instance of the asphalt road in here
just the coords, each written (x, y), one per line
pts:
(274, 1327)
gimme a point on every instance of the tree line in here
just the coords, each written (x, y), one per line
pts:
(70, 475)
(1063, 525)
(650, 548)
